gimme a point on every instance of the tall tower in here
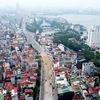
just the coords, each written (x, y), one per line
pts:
(94, 36)
(17, 7)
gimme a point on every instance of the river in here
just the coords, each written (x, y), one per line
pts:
(86, 20)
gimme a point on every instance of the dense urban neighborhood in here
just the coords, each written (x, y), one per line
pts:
(47, 58)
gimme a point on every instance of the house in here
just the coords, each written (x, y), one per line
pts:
(56, 63)
(92, 81)
(64, 89)
(94, 92)
(33, 65)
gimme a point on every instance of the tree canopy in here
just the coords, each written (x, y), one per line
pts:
(71, 39)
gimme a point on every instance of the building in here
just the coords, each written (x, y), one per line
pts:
(65, 91)
(93, 37)
(80, 55)
(88, 68)
(61, 47)
(94, 93)
(17, 7)
(80, 62)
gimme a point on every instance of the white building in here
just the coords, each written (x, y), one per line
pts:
(94, 36)
(61, 47)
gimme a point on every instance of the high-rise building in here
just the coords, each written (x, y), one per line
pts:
(94, 36)
(88, 68)
(17, 7)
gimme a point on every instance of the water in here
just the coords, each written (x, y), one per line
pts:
(86, 20)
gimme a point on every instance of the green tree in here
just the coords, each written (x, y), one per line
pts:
(12, 48)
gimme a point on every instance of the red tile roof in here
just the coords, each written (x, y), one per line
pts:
(80, 70)
(28, 91)
(56, 69)
(94, 90)
(55, 61)
(9, 85)
(77, 97)
(91, 79)
(86, 74)
(2, 57)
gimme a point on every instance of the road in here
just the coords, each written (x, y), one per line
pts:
(30, 39)
(47, 92)
(42, 81)
(47, 78)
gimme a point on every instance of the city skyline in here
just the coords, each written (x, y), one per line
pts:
(72, 4)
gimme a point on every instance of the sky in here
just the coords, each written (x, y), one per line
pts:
(53, 3)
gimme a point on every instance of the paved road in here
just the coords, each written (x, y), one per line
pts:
(42, 81)
(30, 39)
(47, 79)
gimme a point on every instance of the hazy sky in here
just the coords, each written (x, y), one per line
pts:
(54, 3)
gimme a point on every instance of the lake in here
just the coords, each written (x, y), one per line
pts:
(86, 20)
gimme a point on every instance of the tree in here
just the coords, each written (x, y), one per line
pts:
(96, 62)
(12, 48)
(89, 54)
(34, 26)
(71, 39)
(11, 35)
